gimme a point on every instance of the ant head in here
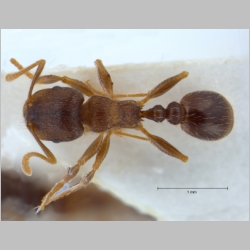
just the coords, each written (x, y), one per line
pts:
(55, 114)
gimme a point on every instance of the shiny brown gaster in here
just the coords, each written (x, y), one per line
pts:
(60, 114)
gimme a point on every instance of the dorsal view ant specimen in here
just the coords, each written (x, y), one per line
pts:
(59, 114)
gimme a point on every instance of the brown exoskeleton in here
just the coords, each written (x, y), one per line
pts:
(60, 114)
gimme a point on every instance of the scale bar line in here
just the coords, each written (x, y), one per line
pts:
(191, 188)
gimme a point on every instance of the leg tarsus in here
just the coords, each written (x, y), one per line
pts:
(84, 181)
(99, 147)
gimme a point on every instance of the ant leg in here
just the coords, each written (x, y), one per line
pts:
(128, 95)
(86, 89)
(67, 190)
(120, 133)
(85, 180)
(107, 84)
(163, 87)
(163, 145)
(97, 92)
(115, 96)
(98, 147)
(104, 78)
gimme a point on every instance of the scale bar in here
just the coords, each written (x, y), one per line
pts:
(191, 188)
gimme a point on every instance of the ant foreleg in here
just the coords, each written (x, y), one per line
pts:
(85, 180)
(99, 147)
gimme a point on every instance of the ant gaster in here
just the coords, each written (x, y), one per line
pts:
(60, 114)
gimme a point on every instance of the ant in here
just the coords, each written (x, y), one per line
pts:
(59, 114)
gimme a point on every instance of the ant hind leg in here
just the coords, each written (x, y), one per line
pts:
(163, 145)
(163, 87)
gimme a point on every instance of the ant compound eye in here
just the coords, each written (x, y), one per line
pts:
(56, 141)
(209, 116)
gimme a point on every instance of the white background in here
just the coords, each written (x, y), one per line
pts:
(82, 47)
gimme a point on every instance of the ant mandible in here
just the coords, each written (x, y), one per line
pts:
(59, 114)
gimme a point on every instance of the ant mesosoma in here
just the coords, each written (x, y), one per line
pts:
(59, 114)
